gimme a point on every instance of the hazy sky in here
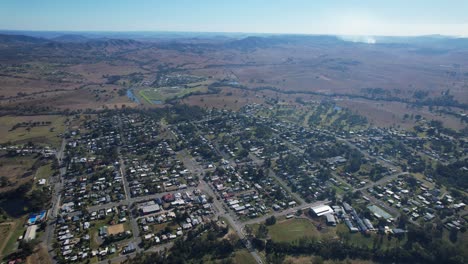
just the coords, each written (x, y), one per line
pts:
(346, 17)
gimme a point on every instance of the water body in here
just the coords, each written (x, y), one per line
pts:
(132, 96)
(156, 102)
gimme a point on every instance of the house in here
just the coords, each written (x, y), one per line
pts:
(103, 231)
(168, 198)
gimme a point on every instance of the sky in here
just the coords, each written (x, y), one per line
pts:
(346, 17)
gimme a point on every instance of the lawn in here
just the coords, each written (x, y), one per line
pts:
(292, 229)
(42, 135)
(244, 257)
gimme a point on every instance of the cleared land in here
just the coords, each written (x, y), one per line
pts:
(17, 170)
(41, 129)
(243, 257)
(115, 229)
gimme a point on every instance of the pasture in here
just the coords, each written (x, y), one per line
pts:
(163, 94)
(41, 129)
(17, 170)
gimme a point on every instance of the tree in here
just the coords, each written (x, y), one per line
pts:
(402, 221)
(27, 247)
(271, 220)
(248, 230)
(262, 231)
(258, 244)
(453, 236)
(4, 181)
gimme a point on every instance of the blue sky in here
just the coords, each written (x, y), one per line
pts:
(346, 17)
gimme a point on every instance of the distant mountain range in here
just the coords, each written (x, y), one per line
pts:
(435, 44)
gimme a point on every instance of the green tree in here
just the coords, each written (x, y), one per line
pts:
(271, 220)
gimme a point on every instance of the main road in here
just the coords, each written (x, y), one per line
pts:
(57, 184)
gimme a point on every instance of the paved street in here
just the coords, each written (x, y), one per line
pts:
(48, 236)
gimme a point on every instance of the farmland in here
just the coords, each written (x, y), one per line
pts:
(17, 171)
(41, 129)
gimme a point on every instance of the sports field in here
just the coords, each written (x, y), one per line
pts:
(292, 229)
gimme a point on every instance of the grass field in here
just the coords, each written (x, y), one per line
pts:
(313, 259)
(16, 231)
(42, 135)
(166, 93)
(243, 257)
(4, 233)
(292, 229)
(44, 172)
(17, 170)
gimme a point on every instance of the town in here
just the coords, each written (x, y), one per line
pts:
(132, 181)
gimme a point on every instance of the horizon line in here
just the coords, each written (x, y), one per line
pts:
(228, 32)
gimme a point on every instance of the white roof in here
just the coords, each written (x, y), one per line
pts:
(150, 208)
(321, 210)
(30, 233)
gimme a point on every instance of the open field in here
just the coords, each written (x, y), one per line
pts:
(17, 170)
(387, 114)
(228, 98)
(45, 132)
(288, 230)
(160, 95)
(292, 229)
(116, 229)
(243, 257)
(5, 229)
(313, 260)
(11, 241)
(40, 256)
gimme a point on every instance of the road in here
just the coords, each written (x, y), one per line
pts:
(230, 216)
(122, 258)
(57, 186)
(367, 155)
(219, 208)
(285, 212)
(279, 180)
(132, 200)
(382, 181)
